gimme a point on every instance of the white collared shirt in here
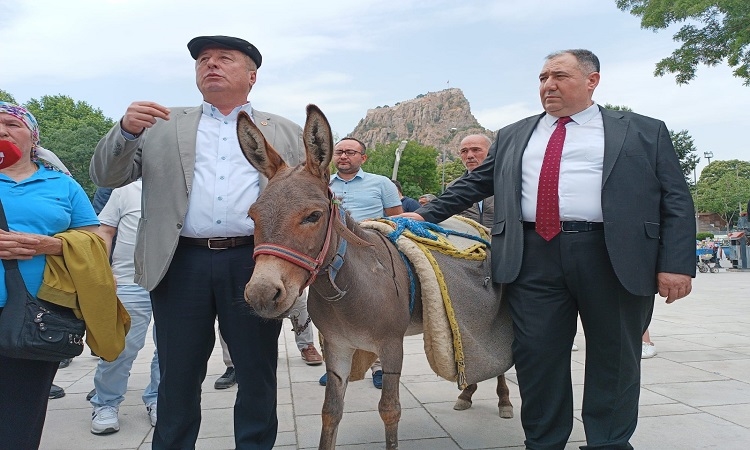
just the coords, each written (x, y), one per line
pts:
(581, 166)
(225, 184)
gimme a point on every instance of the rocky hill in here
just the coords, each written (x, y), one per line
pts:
(439, 119)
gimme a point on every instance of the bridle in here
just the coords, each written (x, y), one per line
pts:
(315, 265)
(299, 259)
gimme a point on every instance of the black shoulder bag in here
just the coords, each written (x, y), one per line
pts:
(31, 328)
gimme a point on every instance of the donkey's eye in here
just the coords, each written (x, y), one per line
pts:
(313, 218)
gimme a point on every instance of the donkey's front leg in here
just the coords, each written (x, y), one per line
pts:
(392, 358)
(338, 366)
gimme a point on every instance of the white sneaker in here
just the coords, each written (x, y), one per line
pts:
(574, 349)
(104, 420)
(648, 350)
(151, 408)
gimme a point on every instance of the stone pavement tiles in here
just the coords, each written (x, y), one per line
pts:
(695, 393)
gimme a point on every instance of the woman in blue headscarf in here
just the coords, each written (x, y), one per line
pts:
(39, 202)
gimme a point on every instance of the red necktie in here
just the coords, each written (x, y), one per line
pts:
(547, 200)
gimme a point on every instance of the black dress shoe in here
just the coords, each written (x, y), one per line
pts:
(91, 394)
(65, 363)
(56, 392)
(227, 380)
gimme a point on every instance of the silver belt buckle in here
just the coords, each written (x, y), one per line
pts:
(562, 228)
(216, 240)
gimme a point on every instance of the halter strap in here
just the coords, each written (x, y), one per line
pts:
(300, 259)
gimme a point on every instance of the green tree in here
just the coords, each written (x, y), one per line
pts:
(60, 112)
(71, 129)
(715, 31)
(7, 97)
(380, 159)
(417, 169)
(686, 151)
(712, 172)
(74, 148)
(617, 107)
(453, 170)
(724, 187)
(683, 146)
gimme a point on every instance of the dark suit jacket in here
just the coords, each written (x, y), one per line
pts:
(486, 215)
(649, 224)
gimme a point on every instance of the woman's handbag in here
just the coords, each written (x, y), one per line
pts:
(31, 328)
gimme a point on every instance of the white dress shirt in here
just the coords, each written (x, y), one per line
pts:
(225, 184)
(580, 184)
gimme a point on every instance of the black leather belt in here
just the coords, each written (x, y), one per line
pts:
(218, 243)
(576, 226)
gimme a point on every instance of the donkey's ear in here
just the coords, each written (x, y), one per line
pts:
(318, 143)
(256, 148)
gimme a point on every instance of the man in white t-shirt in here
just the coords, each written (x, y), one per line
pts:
(120, 217)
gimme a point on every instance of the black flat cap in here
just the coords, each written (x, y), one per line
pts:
(197, 44)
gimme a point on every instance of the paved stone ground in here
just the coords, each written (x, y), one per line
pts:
(695, 393)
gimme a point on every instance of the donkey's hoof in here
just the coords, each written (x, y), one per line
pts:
(506, 412)
(462, 404)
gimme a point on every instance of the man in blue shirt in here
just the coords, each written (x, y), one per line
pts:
(365, 196)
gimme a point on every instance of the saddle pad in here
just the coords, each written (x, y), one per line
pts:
(466, 226)
(467, 332)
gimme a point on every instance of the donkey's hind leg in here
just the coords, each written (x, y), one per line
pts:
(503, 395)
(390, 404)
(464, 398)
(338, 366)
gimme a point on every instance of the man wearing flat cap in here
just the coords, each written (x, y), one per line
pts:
(194, 248)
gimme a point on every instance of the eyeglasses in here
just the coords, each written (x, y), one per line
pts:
(348, 153)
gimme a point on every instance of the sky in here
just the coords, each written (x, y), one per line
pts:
(351, 56)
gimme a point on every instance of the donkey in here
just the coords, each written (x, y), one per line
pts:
(503, 395)
(358, 298)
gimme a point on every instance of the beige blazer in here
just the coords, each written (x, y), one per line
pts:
(164, 155)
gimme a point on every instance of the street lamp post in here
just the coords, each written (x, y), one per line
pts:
(442, 184)
(399, 150)
(695, 189)
(708, 155)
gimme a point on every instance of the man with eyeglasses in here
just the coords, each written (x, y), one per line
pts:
(365, 196)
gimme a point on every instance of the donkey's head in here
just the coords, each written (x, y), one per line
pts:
(291, 213)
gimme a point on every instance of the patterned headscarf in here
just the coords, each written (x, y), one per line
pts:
(37, 152)
(22, 114)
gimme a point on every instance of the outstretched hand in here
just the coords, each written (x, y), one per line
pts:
(142, 115)
(674, 286)
(411, 215)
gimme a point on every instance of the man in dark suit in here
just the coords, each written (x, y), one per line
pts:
(194, 247)
(623, 229)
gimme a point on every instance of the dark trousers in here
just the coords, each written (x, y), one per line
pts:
(24, 393)
(199, 285)
(569, 276)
